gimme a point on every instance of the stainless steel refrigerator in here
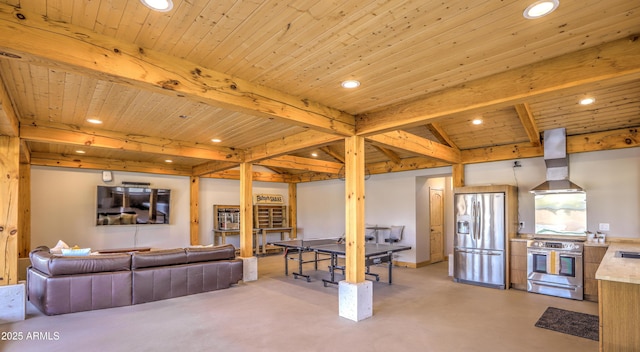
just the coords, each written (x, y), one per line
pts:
(479, 242)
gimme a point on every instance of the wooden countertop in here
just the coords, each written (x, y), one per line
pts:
(620, 269)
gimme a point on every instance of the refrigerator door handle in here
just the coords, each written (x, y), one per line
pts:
(477, 217)
(473, 216)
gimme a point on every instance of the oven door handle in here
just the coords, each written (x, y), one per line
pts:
(549, 284)
(566, 254)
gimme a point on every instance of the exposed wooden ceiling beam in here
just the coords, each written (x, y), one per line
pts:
(212, 166)
(389, 153)
(9, 125)
(25, 152)
(590, 142)
(529, 123)
(66, 134)
(406, 164)
(306, 139)
(615, 61)
(617, 139)
(502, 152)
(257, 176)
(410, 142)
(440, 134)
(333, 153)
(298, 163)
(35, 39)
(607, 140)
(84, 162)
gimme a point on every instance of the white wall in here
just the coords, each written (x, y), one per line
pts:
(390, 199)
(62, 203)
(63, 206)
(610, 178)
(227, 192)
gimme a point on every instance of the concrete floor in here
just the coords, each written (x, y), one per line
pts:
(423, 310)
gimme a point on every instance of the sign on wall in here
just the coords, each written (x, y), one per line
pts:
(268, 199)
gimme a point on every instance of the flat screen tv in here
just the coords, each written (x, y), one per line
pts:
(126, 205)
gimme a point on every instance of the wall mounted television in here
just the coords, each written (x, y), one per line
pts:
(126, 205)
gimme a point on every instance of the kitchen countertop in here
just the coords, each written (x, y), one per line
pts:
(525, 238)
(620, 269)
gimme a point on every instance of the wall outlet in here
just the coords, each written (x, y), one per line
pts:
(603, 227)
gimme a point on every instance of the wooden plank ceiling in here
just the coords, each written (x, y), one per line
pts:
(264, 77)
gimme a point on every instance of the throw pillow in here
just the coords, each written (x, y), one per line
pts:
(76, 251)
(58, 247)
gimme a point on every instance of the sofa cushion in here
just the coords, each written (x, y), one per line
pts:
(53, 265)
(76, 293)
(205, 254)
(158, 258)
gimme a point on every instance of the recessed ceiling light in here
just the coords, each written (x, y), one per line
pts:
(80, 151)
(350, 84)
(540, 8)
(216, 140)
(314, 154)
(587, 101)
(168, 161)
(476, 121)
(158, 5)
(94, 121)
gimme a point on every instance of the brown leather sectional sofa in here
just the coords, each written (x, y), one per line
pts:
(59, 284)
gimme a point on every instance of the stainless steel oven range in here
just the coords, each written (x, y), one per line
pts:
(555, 267)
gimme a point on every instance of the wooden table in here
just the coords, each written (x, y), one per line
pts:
(221, 236)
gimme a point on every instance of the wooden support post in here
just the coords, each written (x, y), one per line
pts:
(24, 212)
(457, 171)
(9, 199)
(246, 210)
(354, 191)
(293, 209)
(194, 224)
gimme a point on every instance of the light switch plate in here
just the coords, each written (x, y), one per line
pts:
(603, 227)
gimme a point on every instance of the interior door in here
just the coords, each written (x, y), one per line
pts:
(436, 219)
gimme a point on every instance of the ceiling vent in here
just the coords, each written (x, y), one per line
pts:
(557, 163)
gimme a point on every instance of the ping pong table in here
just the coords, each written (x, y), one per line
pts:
(333, 248)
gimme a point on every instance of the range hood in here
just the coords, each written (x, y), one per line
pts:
(557, 162)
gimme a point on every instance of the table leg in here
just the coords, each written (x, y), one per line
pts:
(390, 267)
(332, 270)
(286, 262)
(299, 273)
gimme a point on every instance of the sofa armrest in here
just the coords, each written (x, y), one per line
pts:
(54, 265)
